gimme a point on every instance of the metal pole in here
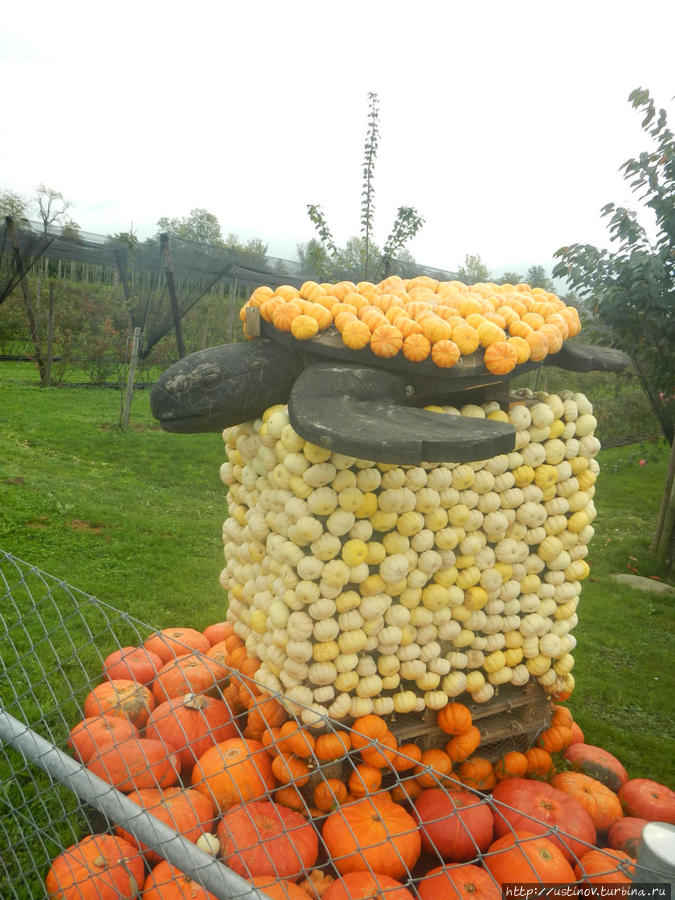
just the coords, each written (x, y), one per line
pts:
(204, 869)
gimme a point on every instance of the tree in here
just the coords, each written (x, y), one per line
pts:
(630, 290)
(14, 205)
(51, 206)
(511, 278)
(253, 253)
(537, 277)
(371, 263)
(201, 226)
(70, 230)
(474, 269)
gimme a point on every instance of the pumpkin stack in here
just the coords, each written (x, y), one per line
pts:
(368, 587)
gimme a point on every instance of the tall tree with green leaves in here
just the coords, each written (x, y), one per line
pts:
(201, 226)
(473, 269)
(537, 276)
(630, 290)
(14, 205)
(373, 264)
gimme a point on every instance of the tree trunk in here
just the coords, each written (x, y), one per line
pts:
(662, 544)
(30, 311)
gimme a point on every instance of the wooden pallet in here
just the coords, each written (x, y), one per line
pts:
(511, 720)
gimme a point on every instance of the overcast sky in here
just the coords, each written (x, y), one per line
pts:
(503, 123)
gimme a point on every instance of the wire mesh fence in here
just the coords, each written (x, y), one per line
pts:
(287, 816)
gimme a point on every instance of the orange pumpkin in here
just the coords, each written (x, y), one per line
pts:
(304, 327)
(265, 838)
(367, 730)
(284, 314)
(135, 764)
(603, 805)
(466, 339)
(445, 354)
(265, 713)
(416, 347)
(458, 882)
(538, 345)
(288, 795)
(192, 673)
(280, 890)
(364, 779)
(92, 733)
(189, 725)
(171, 642)
(463, 745)
(524, 857)
(217, 631)
(356, 334)
(381, 754)
(366, 885)
(454, 718)
(374, 834)
(166, 882)
(511, 765)
(386, 341)
(333, 745)
(100, 865)
(234, 771)
(521, 347)
(406, 756)
(329, 793)
(132, 664)
(289, 769)
(433, 767)
(183, 809)
(555, 739)
(605, 867)
(539, 763)
(293, 739)
(500, 358)
(120, 697)
(477, 772)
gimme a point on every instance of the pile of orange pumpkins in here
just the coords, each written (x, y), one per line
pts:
(181, 727)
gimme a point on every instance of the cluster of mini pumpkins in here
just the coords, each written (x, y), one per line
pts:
(422, 318)
(228, 767)
(368, 587)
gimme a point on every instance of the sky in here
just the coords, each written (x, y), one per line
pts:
(503, 124)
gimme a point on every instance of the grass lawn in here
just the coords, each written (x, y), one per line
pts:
(134, 518)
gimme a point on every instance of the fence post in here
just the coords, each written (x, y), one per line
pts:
(50, 335)
(135, 347)
(171, 286)
(234, 292)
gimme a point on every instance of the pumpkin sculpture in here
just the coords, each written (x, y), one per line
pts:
(365, 482)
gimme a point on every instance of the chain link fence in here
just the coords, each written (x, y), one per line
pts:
(54, 640)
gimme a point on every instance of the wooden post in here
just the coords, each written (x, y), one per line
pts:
(30, 311)
(171, 286)
(50, 335)
(234, 291)
(135, 347)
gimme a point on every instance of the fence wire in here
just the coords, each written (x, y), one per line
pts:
(54, 640)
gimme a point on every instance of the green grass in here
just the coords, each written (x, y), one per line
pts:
(626, 638)
(134, 518)
(131, 516)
